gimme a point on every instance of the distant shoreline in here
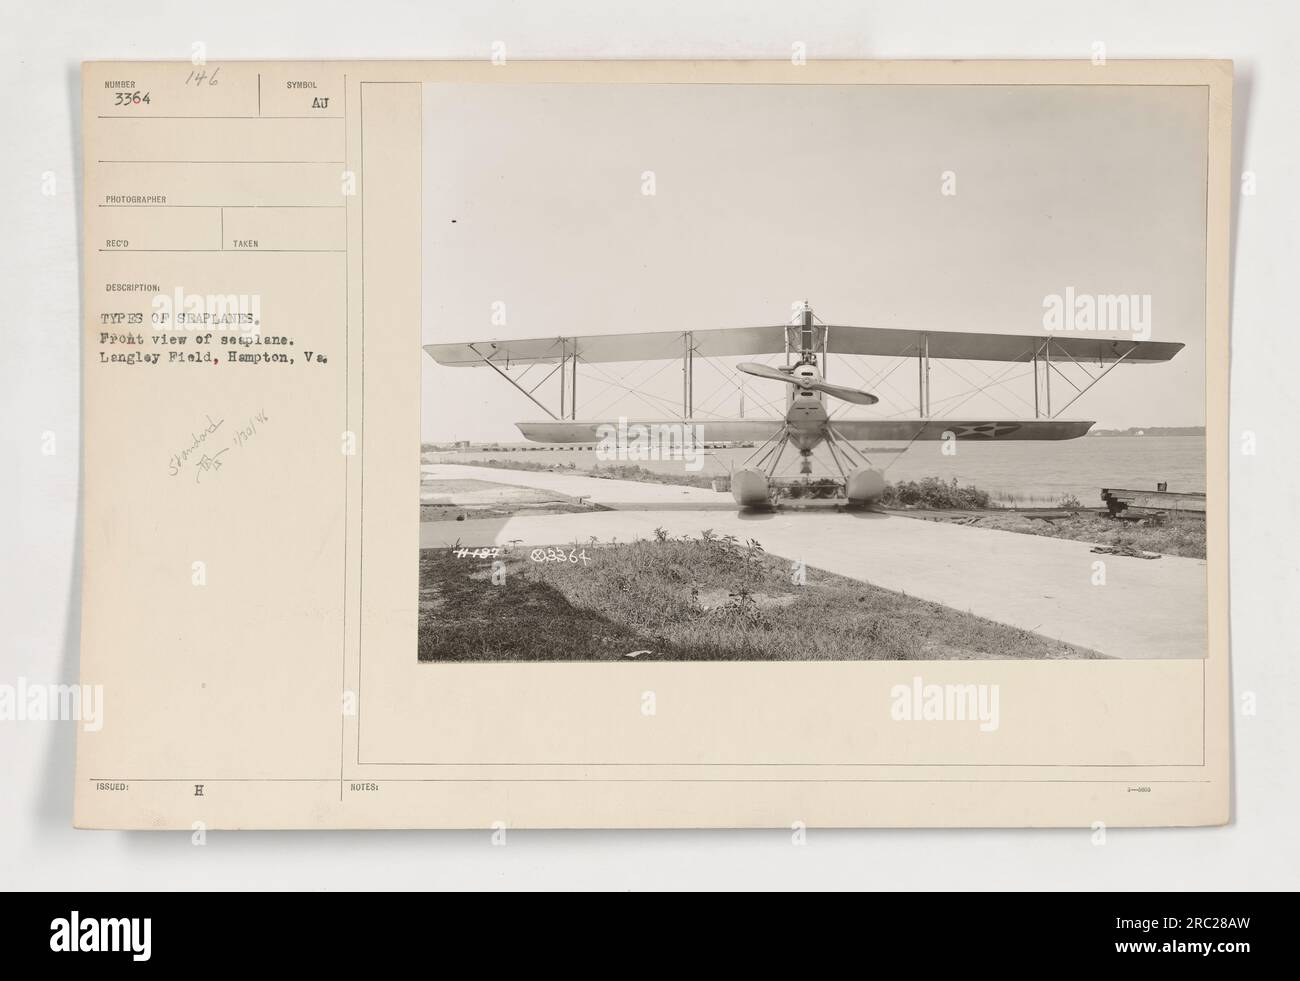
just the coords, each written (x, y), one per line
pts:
(1151, 431)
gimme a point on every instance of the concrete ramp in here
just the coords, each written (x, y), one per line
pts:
(606, 493)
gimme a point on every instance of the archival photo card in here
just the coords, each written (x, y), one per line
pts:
(655, 444)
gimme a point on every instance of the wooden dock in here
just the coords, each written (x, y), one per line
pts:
(1124, 502)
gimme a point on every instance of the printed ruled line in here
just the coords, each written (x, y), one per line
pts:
(220, 161)
(792, 763)
(336, 206)
(337, 119)
(245, 251)
(750, 780)
(347, 469)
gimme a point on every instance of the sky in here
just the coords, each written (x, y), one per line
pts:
(533, 207)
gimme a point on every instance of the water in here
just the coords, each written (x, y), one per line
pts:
(1025, 473)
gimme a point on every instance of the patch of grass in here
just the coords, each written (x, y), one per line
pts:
(616, 471)
(1175, 535)
(496, 464)
(682, 478)
(933, 492)
(820, 488)
(712, 598)
(456, 512)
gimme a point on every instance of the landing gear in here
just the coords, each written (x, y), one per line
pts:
(752, 486)
(750, 489)
(865, 487)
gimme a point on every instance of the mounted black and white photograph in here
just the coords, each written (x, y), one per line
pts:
(746, 372)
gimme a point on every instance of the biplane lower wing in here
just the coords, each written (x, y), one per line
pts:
(934, 429)
(887, 342)
(710, 431)
(745, 430)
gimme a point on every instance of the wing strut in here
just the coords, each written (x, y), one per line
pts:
(1091, 381)
(525, 391)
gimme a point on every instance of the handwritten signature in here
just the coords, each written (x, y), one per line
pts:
(208, 440)
(200, 438)
(208, 464)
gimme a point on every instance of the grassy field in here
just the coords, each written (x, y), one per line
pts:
(1175, 535)
(703, 599)
(614, 471)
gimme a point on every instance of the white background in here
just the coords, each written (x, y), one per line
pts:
(41, 45)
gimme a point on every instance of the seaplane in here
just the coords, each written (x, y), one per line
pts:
(808, 421)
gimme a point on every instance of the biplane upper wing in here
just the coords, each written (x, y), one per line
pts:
(605, 348)
(743, 430)
(1098, 348)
